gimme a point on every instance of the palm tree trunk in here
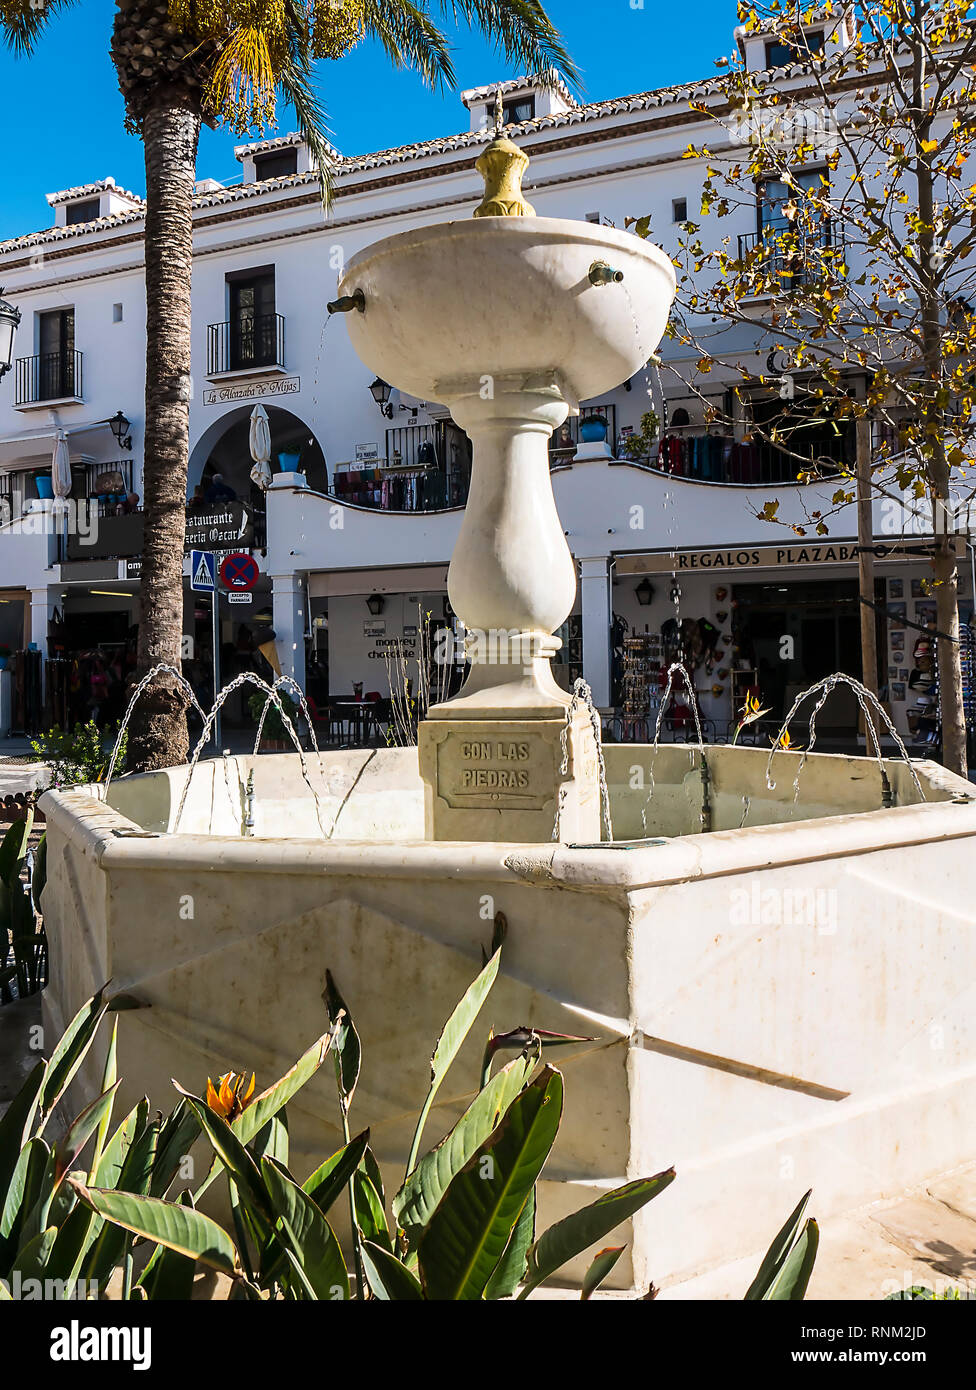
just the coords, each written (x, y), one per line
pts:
(171, 131)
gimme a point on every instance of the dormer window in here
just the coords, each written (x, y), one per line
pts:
(781, 55)
(88, 211)
(276, 164)
(514, 112)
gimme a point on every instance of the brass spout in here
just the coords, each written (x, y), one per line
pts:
(603, 274)
(348, 302)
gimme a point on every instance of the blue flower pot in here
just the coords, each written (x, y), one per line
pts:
(593, 431)
(45, 488)
(288, 463)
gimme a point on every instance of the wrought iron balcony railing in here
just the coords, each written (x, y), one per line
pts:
(244, 343)
(50, 376)
(783, 257)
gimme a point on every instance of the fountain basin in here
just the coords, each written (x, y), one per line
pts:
(489, 297)
(776, 1007)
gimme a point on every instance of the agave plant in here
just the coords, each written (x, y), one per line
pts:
(461, 1225)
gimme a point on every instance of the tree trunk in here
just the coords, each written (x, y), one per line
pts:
(865, 574)
(954, 751)
(171, 130)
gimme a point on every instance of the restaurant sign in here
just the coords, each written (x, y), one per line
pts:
(252, 390)
(223, 526)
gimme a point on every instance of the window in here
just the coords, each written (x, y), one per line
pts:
(781, 55)
(253, 321)
(88, 211)
(776, 201)
(276, 164)
(56, 360)
(513, 112)
(679, 209)
(116, 313)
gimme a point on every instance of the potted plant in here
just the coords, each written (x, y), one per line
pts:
(4, 656)
(275, 738)
(637, 446)
(593, 429)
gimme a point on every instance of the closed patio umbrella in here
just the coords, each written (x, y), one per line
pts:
(61, 467)
(260, 436)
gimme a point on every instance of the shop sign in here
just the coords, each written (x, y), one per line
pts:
(226, 526)
(252, 390)
(375, 629)
(762, 557)
(367, 451)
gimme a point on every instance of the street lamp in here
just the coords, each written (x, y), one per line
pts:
(9, 319)
(644, 592)
(376, 603)
(120, 428)
(380, 391)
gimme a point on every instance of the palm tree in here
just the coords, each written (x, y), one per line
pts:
(227, 62)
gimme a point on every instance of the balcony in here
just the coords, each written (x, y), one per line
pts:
(245, 346)
(54, 378)
(566, 440)
(785, 258)
(757, 463)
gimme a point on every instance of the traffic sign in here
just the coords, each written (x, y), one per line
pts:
(242, 596)
(203, 572)
(239, 571)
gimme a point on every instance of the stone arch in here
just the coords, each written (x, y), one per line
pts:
(223, 448)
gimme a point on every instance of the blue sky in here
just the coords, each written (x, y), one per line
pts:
(65, 113)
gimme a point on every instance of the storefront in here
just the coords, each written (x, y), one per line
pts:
(771, 621)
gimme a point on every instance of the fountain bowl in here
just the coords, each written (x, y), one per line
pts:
(490, 296)
(784, 1002)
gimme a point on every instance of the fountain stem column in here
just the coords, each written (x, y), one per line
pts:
(503, 759)
(512, 579)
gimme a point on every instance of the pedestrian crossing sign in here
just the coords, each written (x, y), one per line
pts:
(203, 571)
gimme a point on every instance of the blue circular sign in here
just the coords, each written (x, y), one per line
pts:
(239, 571)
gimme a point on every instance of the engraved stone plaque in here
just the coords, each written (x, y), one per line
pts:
(504, 771)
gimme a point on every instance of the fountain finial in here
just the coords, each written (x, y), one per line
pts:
(502, 166)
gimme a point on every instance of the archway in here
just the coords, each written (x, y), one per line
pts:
(225, 448)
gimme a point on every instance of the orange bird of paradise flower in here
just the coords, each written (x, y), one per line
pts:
(230, 1097)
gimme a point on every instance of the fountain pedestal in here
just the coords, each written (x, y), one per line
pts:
(503, 758)
(506, 779)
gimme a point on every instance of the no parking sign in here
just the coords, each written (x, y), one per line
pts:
(239, 571)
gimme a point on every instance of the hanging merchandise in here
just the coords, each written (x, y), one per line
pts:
(640, 683)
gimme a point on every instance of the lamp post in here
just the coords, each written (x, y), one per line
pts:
(9, 321)
(120, 428)
(380, 391)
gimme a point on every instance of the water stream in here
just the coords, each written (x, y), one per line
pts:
(866, 700)
(582, 698)
(146, 681)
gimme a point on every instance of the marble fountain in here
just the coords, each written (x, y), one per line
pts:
(777, 970)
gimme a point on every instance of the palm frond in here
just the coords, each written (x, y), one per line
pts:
(411, 39)
(521, 30)
(22, 23)
(295, 83)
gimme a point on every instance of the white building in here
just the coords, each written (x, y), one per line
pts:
(377, 508)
